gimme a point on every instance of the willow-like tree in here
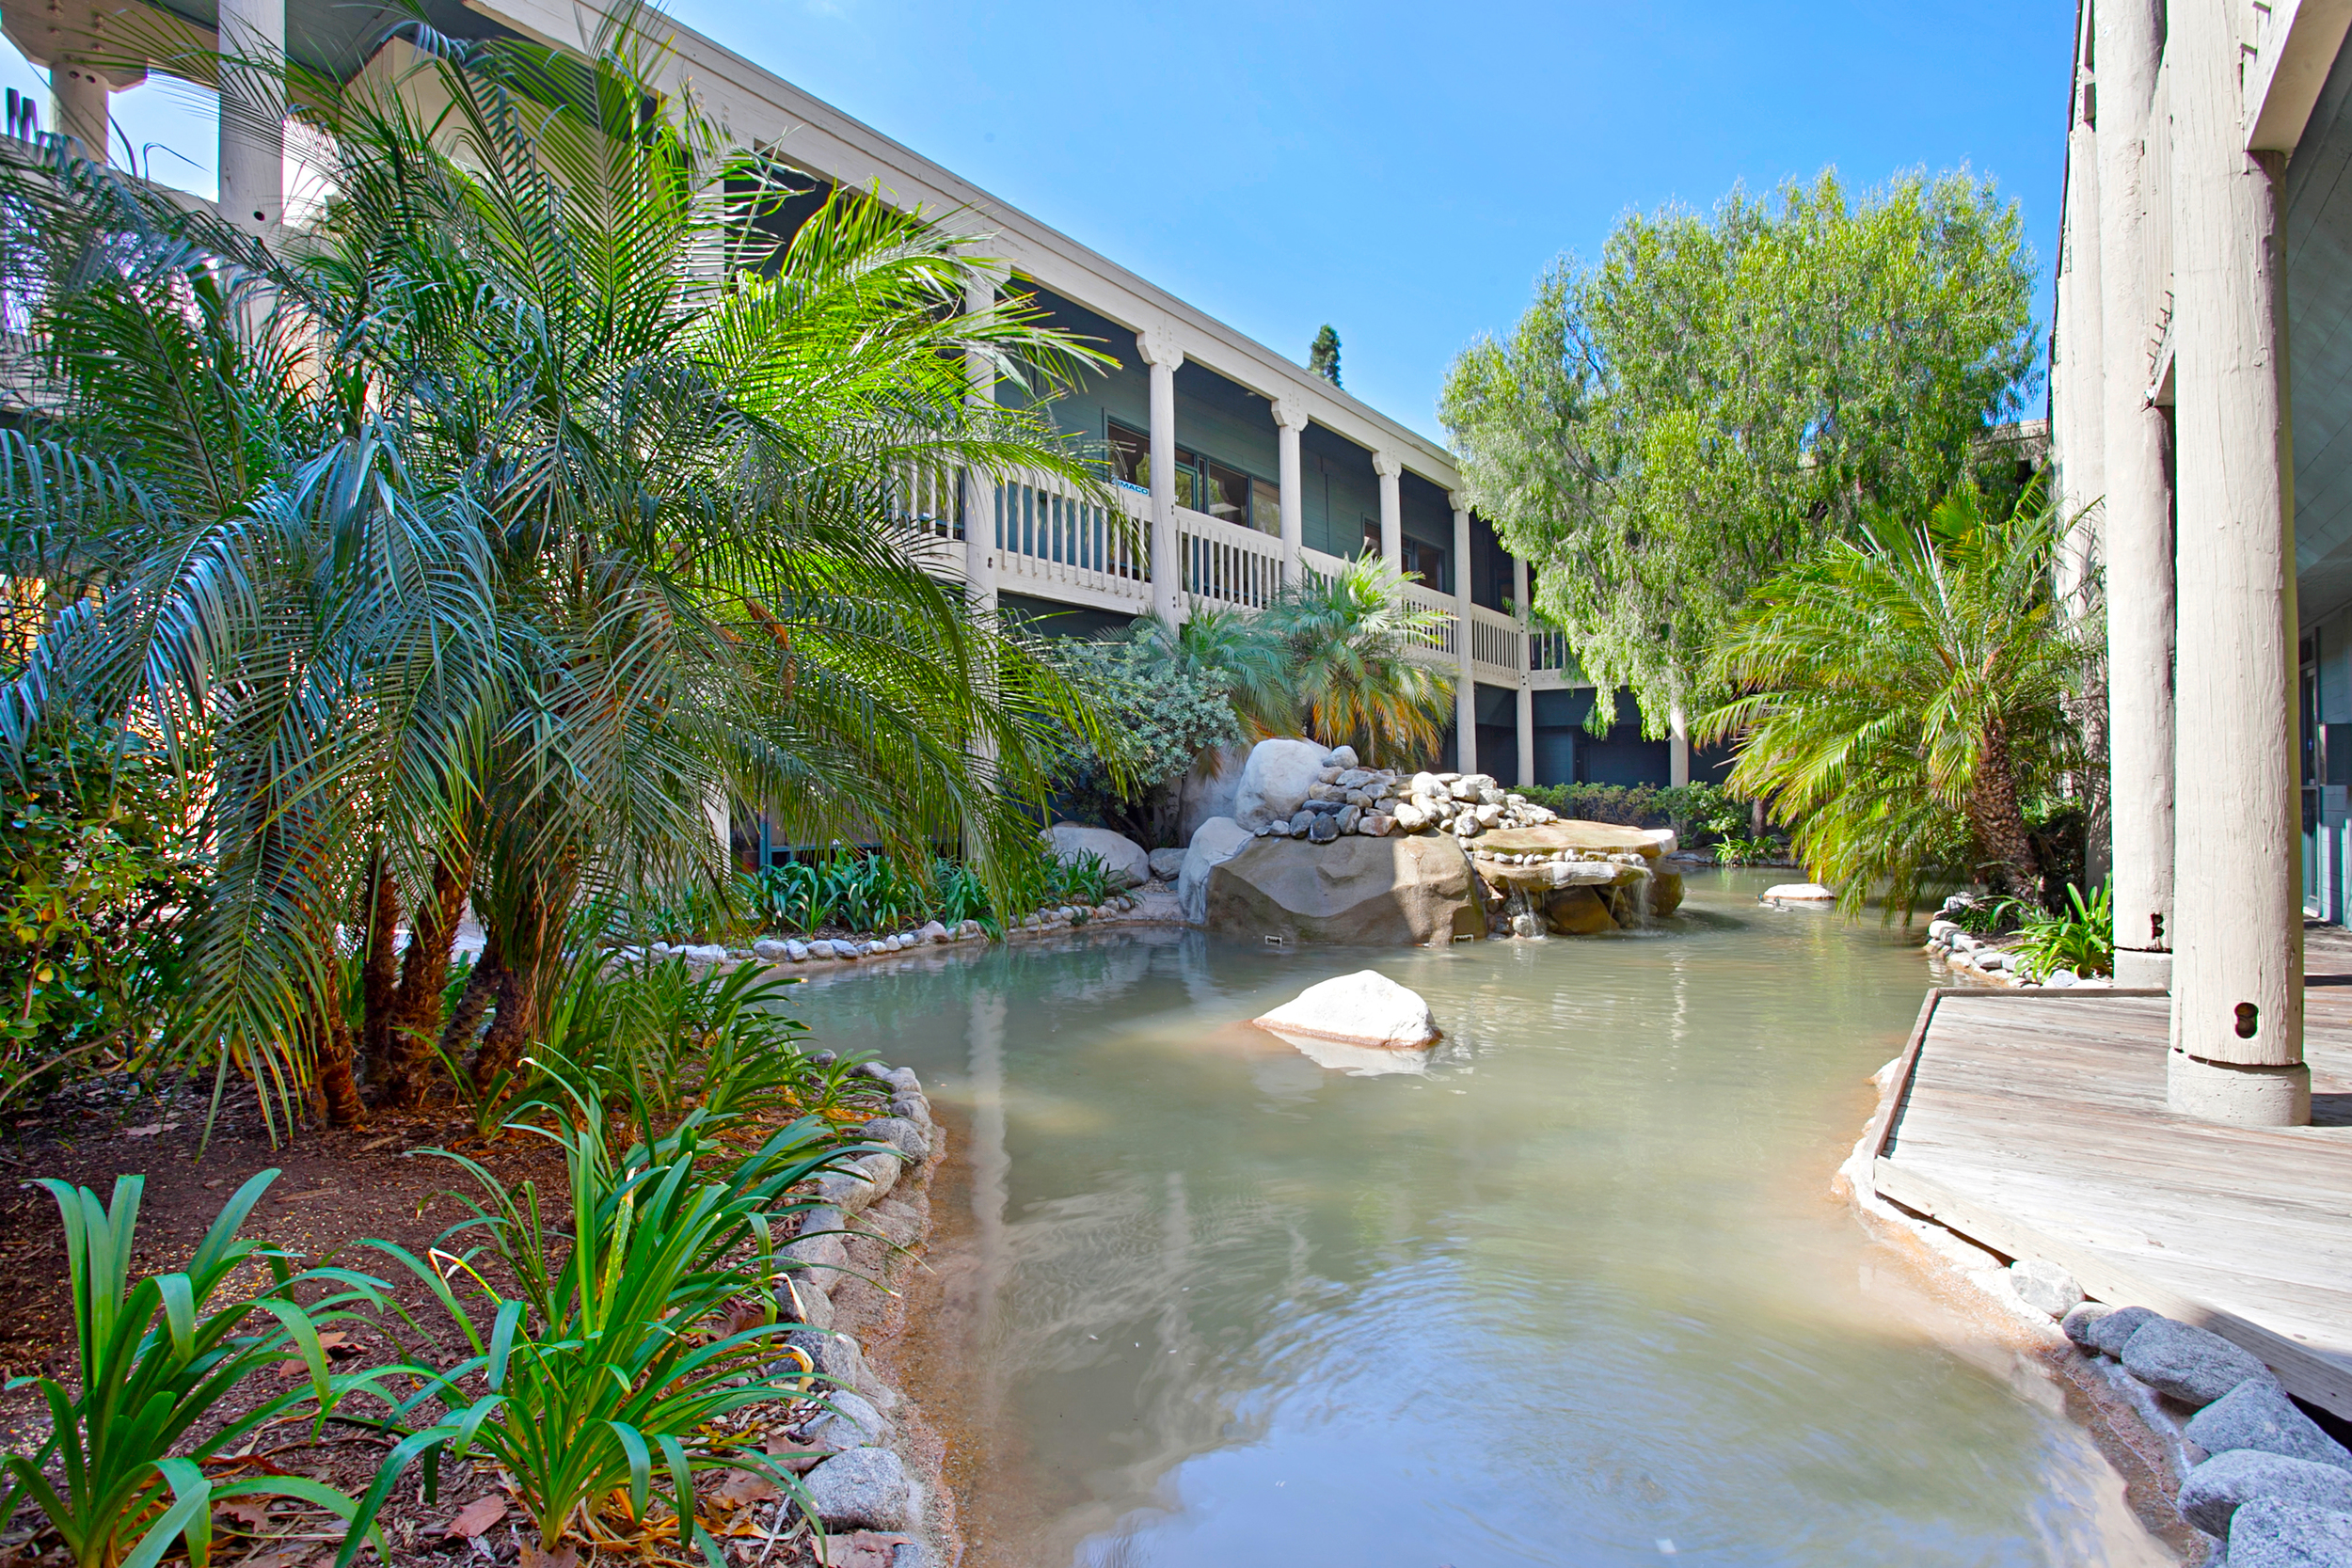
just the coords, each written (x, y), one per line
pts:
(1663, 431)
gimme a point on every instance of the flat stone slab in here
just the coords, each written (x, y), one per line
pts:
(1568, 833)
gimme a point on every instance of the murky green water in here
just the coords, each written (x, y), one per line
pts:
(1575, 1295)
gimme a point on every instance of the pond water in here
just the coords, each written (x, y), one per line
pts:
(1576, 1294)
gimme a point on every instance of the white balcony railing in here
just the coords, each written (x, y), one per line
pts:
(1440, 638)
(1548, 648)
(1048, 540)
(1225, 563)
(1496, 641)
(930, 501)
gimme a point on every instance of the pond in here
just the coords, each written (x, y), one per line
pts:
(1576, 1294)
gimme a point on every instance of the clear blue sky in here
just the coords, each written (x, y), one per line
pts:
(1402, 172)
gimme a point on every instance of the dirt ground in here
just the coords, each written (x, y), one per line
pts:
(335, 1189)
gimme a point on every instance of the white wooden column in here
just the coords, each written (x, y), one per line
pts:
(1466, 676)
(2237, 967)
(1290, 418)
(1527, 693)
(1160, 352)
(253, 117)
(980, 489)
(78, 106)
(1391, 509)
(2135, 522)
(2078, 382)
(1678, 746)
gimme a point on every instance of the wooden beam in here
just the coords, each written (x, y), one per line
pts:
(2297, 48)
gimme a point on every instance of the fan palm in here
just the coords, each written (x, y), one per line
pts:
(1905, 694)
(1347, 638)
(492, 534)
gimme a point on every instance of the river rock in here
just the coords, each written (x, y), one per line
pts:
(2044, 1286)
(2277, 1532)
(1800, 892)
(902, 1133)
(1341, 758)
(2081, 1319)
(2193, 1365)
(1372, 892)
(852, 1422)
(1221, 839)
(1666, 891)
(1364, 1009)
(861, 1489)
(2110, 1333)
(1578, 911)
(1167, 864)
(814, 1250)
(1273, 782)
(2214, 1490)
(2257, 1414)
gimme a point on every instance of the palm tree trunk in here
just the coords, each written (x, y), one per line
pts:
(414, 1018)
(524, 947)
(473, 1001)
(376, 972)
(1999, 820)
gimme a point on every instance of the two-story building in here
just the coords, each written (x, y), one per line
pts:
(1237, 467)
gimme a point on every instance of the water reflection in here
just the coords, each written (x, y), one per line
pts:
(1571, 1291)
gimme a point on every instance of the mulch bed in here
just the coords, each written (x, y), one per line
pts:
(337, 1188)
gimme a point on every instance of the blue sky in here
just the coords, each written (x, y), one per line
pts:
(1402, 172)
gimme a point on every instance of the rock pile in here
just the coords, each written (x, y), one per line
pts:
(783, 950)
(1296, 789)
(2274, 1485)
(862, 1471)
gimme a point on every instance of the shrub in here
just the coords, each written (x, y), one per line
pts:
(2080, 938)
(158, 1360)
(95, 862)
(1692, 810)
(1161, 712)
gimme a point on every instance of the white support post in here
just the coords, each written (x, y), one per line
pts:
(2077, 378)
(1391, 509)
(1678, 746)
(1290, 418)
(979, 490)
(1160, 352)
(1527, 693)
(253, 117)
(78, 100)
(1466, 678)
(2136, 521)
(2237, 967)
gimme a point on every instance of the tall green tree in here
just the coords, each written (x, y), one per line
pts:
(1905, 697)
(1322, 355)
(1664, 431)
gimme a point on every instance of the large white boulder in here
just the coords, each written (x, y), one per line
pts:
(1800, 892)
(1125, 860)
(1216, 841)
(1364, 1009)
(1275, 781)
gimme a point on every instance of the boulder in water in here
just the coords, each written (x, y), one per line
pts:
(1216, 841)
(1800, 892)
(1578, 911)
(1364, 1009)
(1355, 890)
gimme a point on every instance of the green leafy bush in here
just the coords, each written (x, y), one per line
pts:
(628, 1343)
(1692, 809)
(95, 862)
(158, 1361)
(1161, 713)
(2080, 938)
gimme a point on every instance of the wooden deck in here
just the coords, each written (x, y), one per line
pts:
(2034, 1123)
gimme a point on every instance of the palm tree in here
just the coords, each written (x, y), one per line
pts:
(1905, 694)
(1346, 640)
(488, 535)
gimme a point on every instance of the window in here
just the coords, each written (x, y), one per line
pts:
(1427, 562)
(1265, 506)
(1372, 539)
(1131, 456)
(1227, 493)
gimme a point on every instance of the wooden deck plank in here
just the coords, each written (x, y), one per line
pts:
(2036, 1124)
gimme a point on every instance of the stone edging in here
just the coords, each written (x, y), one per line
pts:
(879, 1479)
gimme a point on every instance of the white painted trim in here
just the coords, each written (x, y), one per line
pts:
(2296, 50)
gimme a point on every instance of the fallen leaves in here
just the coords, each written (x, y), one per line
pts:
(477, 1516)
(863, 1548)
